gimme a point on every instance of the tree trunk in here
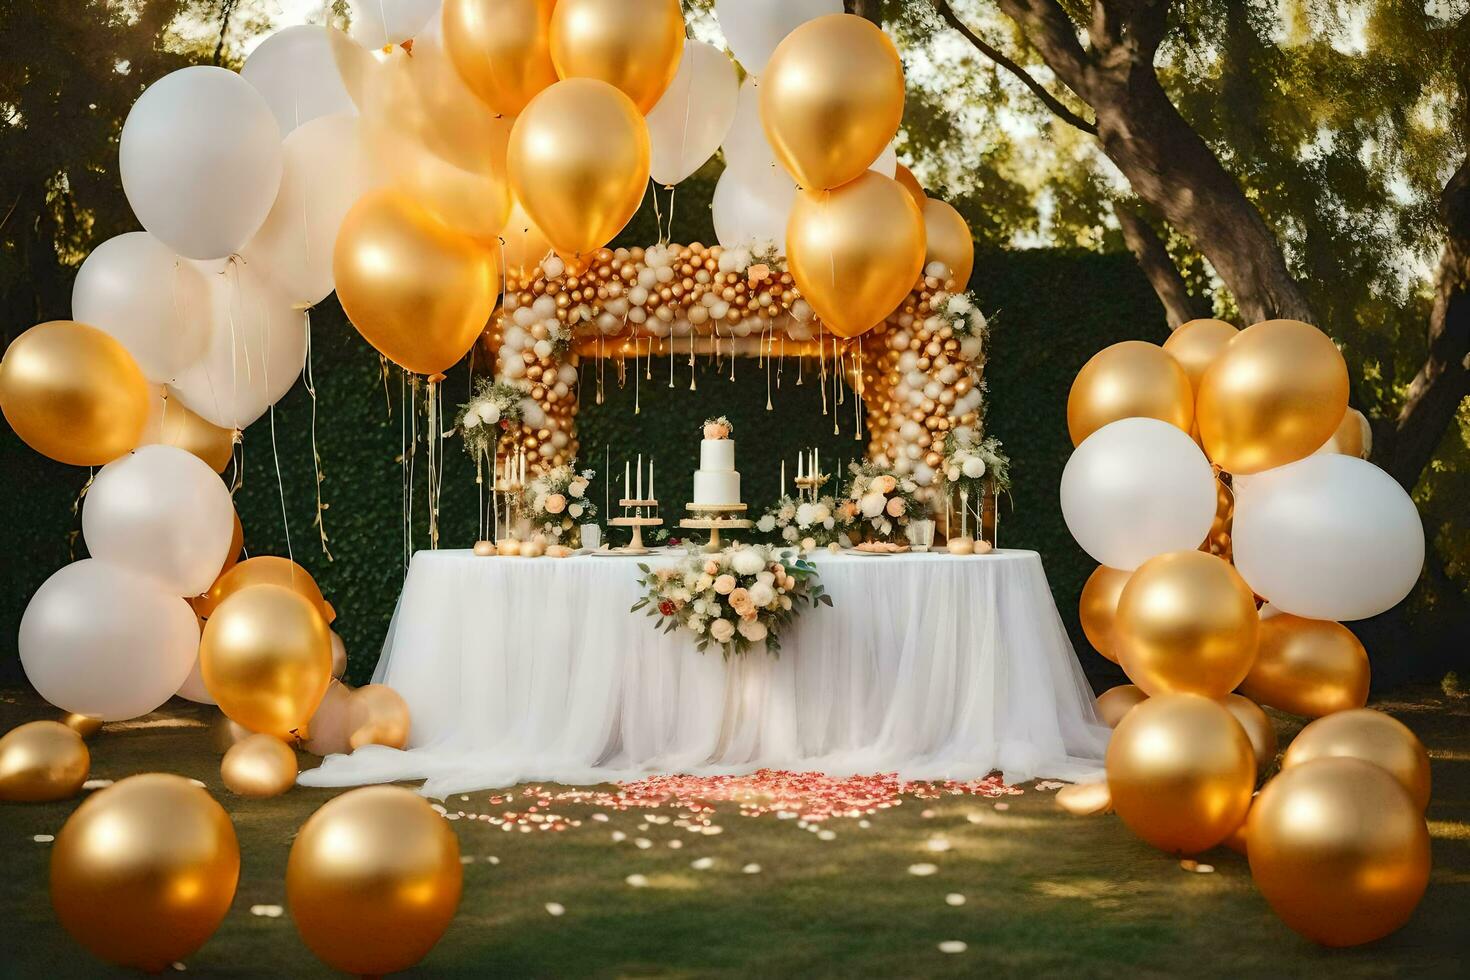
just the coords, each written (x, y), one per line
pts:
(1153, 257)
(868, 9)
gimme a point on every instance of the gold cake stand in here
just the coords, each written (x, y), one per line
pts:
(637, 522)
(719, 518)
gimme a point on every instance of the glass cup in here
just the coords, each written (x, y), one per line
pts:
(920, 535)
(591, 536)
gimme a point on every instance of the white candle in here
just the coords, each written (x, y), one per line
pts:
(799, 472)
(783, 477)
(523, 467)
(495, 498)
(650, 479)
(640, 476)
(816, 461)
(627, 479)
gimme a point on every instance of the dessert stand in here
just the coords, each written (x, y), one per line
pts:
(638, 521)
(719, 518)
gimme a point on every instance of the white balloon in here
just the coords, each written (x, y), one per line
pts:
(99, 640)
(690, 121)
(753, 210)
(193, 688)
(295, 71)
(753, 28)
(376, 23)
(747, 151)
(1137, 488)
(1328, 537)
(327, 169)
(155, 303)
(257, 347)
(160, 511)
(200, 160)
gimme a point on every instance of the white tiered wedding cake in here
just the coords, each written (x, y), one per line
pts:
(716, 482)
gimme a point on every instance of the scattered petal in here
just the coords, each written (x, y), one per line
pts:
(702, 864)
(675, 844)
(618, 836)
(1002, 806)
(555, 908)
(923, 870)
(466, 859)
(826, 835)
(752, 869)
(864, 824)
(267, 911)
(927, 814)
(938, 845)
(600, 817)
(97, 784)
(955, 899)
(643, 843)
(43, 838)
(637, 881)
(953, 946)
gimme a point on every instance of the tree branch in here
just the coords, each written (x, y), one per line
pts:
(1148, 248)
(871, 10)
(226, 13)
(947, 14)
(1048, 27)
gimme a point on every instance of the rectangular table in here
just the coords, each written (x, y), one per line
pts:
(929, 665)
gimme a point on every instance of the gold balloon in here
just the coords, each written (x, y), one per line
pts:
(417, 290)
(1196, 344)
(1372, 736)
(578, 160)
(1354, 437)
(329, 729)
(84, 725)
(1238, 841)
(1181, 771)
(1275, 394)
(172, 423)
(1218, 542)
(633, 45)
(855, 252)
(42, 761)
(237, 545)
(1086, 799)
(1186, 622)
(1116, 702)
(144, 871)
(832, 99)
(910, 183)
(377, 715)
(263, 570)
(522, 244)
(1099, 604)
(1339, 850)
(473, 203)
(373, 880)
(1127, 380)
(73, 393)
(266, 657)
(947, 239)
(501, 48)
(260, 766)
(1308, 667)
(1258, 728)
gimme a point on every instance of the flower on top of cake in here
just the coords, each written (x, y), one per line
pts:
(719, 428)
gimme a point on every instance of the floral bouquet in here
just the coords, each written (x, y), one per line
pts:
(880, 499)
(495, 409)
(740, 597)
(558, 501)
(802, 522)
(968, 460)
(719, 428)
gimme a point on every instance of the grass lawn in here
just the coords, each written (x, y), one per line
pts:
(1044, 893)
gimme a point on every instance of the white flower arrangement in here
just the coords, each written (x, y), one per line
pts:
(718, 428)
(808, 524)
(558, 501)
(962, 312)
(880, 500)
(736, 599)
(495, 409)
(968, 460)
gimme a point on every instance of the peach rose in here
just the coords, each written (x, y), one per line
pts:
(556, 503)
(725, 584)
(850, 510)
(716, 430)
(711, 567)
(896, 507)
(883, 483)
(740, 601)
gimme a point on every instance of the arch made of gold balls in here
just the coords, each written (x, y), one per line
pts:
(918, 375)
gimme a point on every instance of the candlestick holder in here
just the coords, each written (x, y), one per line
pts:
(715, 518)
(638, 520)
(809, 488)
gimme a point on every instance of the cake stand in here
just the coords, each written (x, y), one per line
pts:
(637, 522)
(715, 518)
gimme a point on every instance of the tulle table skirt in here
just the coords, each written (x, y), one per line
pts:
(928, 665)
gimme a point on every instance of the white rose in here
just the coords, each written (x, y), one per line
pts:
(578, 487)
(953, 473)
(974, 467)
(722, 630)
(752, 629)
(576, 510)
(747, 561)
(786, 599)
(766, 524)
(490, 413)
(820, 513)
(872, 504)
(830, 523)
(788, 533)
(471, 419)
(762, 594)
(704, 583)
(696, 624)
(804, 515)
(767, 577)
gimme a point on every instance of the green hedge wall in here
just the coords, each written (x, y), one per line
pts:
(1050, 310)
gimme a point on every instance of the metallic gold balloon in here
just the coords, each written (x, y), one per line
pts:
(947, 239)
(1218, 542)
(910, 183)
(329, 731)
(832, 99)
(1186, 622)
(502, 49)
(1127, 380)
(1258, 728)
(522, 245)
(1181, 772)
(260, 766)
(1196, 344)
(173, 423)
(855, 252)
(1086, 799)
(84, 725)
(473, 202)
(1099, 604)
(1372, 736)
(266, 657)
(373, 880)
(237, 545)
(417, 290)
(1275, 394)
(144, 871)
(73, 393)
(578, 160)
(42, 761)
(1339, 850)
(377, 715)
(1238, 841)
(264, 570)
(1353, 437)
(633, 45)
(1308, 667)
(1116, 702)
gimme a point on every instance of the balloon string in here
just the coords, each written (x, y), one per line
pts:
(673, 352)
(836, 386)
(281, 490)
(316, 456)
(769, 405)
(658, 218)
(637, 393)
(692, 385)
(387, 398)
(822, 363)
(857, 392)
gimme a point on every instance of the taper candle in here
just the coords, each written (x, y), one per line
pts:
(627, 479)
(640, 476)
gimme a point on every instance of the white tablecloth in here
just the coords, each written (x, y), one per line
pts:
(928, 665)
